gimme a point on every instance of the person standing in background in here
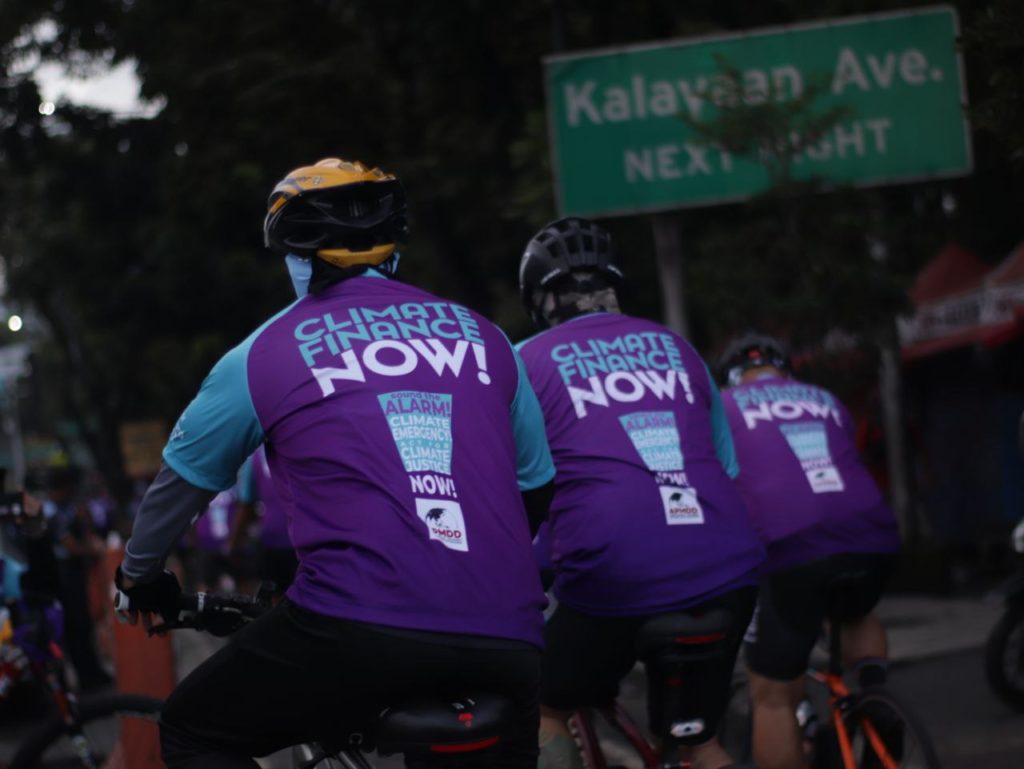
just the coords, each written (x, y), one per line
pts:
(77, 548)
(210, 543)
(260, 500)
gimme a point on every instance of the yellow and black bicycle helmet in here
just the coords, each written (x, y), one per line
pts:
(342, 211)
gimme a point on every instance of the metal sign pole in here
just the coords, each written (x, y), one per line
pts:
(668, 252)
(890, 386)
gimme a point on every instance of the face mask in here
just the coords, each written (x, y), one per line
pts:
(390, 266)
(300, 270)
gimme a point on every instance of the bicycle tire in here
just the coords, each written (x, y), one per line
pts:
(902, 733)
(47, 747)
(1004, 657)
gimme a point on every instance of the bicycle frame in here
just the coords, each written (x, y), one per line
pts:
(50, 672)
(616, 716)
(838, 704)
(313, 755)
(839, 697)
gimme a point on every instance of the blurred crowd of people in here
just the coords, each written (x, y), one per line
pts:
(240, 541)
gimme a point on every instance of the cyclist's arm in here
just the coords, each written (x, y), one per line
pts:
(214, 435)
(534, 466)
(171, 504)
(725, 450)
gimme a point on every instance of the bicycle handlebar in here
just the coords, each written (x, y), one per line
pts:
(219, 614)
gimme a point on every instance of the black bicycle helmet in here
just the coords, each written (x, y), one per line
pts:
(561, 248)
(344, 212)
(749, 351)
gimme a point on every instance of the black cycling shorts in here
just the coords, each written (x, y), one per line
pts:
(794, 603)
(586, 657)
(295, 676)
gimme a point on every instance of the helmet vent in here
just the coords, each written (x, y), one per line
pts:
(357, 214)
(567, 255)
(357, 208)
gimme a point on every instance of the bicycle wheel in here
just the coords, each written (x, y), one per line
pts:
(898, 731)
(106, 721)
(1004, 657)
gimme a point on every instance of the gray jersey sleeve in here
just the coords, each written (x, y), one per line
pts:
(171, 504)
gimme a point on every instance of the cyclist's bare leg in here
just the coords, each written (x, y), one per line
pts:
(777, 742)
(557, 747)
(708, 755)
(863, 639)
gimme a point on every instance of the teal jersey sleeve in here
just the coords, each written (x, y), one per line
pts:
(219, 428)
(720, 432)
(533, 455)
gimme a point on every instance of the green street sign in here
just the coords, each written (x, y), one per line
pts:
(620, 144)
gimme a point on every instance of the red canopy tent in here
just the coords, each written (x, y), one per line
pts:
(959, 301)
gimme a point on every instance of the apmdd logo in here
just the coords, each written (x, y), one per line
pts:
(444, 522)
(824, 479)
(681, 505)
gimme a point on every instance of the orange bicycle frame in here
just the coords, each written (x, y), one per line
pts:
(837, 693)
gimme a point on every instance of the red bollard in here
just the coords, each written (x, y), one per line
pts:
(142, 665)
(99, 607)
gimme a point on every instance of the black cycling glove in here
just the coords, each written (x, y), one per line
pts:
(159, 595)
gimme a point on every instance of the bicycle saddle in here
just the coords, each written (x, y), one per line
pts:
(695, 636)
(463, 725)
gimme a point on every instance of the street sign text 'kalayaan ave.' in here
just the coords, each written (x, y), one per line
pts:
(620, 143)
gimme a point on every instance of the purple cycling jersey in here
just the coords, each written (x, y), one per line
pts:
(645, 517)
(274, 515)
(214, 525)
(808, 492)
(389, 418)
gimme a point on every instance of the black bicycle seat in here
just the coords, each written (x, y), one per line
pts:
(693, 635)
(470, 723)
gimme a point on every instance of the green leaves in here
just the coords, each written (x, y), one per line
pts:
(140, 241)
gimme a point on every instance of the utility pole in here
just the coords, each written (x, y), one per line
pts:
(668, 253)
(890, 387)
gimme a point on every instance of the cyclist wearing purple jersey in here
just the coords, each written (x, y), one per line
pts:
(261, 500)
(821, 517)
(646, 519)
(409, 448)
(210, 543)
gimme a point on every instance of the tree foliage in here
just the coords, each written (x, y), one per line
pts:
(996, 42)
(138, 241)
